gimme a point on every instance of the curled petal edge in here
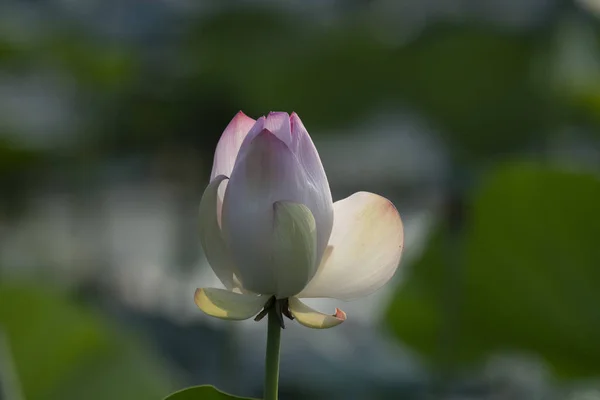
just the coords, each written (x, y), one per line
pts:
(211, 238)
(312, 318)
(225, 304)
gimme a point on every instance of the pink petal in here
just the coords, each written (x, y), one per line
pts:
(229, 144)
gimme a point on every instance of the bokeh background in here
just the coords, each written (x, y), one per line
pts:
(479, 119)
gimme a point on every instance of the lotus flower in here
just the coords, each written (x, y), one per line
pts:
(272, 234)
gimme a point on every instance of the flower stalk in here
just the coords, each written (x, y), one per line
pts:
(272, 356)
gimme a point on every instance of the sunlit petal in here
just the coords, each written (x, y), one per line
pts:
(224, 304)
(364, 249)
(312, 318)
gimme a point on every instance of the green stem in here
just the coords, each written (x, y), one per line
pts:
(272, 358)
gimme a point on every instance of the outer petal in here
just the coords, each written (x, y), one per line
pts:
(229, 144)
(365, 249)
(227, 151)
(256, 129)
(266, 172)
(224, 304)
(308, 156)
(215, 248)
(312, 318)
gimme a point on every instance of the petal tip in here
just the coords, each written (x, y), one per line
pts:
(198, 297)
(389, 204)
(270, 138)
(294, 120)
(241, 119)
(394, 214)
(229, 143)
(277, 114)
(314, 319)
(386, 204)
(264, 133)
(340, 315)
(278, 122)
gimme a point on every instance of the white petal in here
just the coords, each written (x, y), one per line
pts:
(225, 304)
(229, 144)
(364, 249)
(211, 239)
(266, 172)
(312, 318)
(294, 248)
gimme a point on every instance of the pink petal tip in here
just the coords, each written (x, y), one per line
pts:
(339, 314)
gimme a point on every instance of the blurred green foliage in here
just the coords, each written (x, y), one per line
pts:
(524, 277)
(64, 351)
(474, 83)
(202, 392)
(477, 85)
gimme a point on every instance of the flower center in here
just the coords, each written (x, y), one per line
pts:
(281, 307)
